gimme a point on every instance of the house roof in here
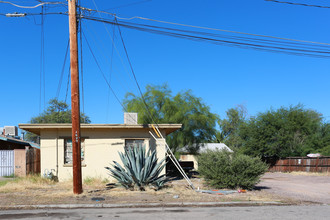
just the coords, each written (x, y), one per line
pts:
(18, 141)
(215, 146)
(208, 146)
(36, 128)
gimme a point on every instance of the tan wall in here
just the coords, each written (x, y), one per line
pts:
(190, 157)
(101, 149)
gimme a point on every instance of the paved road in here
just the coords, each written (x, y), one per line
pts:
(262, 212)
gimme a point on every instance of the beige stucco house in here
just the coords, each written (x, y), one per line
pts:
(100, 145)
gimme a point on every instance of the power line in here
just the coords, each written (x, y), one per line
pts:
(248, 39)
(67, 85)
(150, 116)
(104, 76)
(323, 53)
(300, 4)
(31, 14)
(128, 61)
(81, 64)
(102, 73)
(62, 72)
(201, 27)
(137, 84)
(113, 43)
(103, 46)
(110, 72)
(42, 62)
(35, 6)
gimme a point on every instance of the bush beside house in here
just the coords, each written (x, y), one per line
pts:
(223, 169)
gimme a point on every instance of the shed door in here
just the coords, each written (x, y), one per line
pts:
(6, 162)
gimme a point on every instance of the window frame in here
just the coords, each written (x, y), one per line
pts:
(83, 152)
(134, 139)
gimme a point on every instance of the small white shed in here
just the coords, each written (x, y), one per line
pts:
(204, 147)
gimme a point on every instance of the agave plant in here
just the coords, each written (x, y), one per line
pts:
(139, 169)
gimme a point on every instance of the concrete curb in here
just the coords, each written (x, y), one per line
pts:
(144, 205)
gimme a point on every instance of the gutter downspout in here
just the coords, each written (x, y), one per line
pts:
(57, 152)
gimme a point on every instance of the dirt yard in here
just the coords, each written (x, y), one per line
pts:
(300, 187)
(33, 191)
(279, 187)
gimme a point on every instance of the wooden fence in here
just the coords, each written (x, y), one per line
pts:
(32, 161)
(305, 164)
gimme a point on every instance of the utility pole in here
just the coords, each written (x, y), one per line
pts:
(75, 106)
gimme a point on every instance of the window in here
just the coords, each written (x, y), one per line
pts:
(134, 143)
(68, 151)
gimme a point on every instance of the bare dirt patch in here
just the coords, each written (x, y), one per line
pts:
(294, 188)
(40, 191)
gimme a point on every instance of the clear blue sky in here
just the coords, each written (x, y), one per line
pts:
(222, 76)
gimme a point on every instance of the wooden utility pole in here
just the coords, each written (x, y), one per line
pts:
(75, 106)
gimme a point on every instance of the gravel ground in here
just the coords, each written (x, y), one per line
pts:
(299, 187)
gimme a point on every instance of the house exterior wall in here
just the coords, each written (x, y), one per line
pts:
(101, 149)
(190, 157)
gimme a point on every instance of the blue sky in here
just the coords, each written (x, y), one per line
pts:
(222, 76)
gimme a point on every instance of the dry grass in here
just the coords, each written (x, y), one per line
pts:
(21, 184)
(38, 190)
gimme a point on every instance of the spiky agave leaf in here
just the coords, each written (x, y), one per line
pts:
(139, 168)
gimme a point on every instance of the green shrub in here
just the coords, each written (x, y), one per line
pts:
(140, 169)
(222, 169)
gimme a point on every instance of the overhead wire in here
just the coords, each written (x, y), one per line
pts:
(110, 72)
(128, 61)
(299, 4)
(62, 72)
(35, 6)
(114, 76)
(270, 48)
(248, 39)
(42, 62)
(201, 27)
(104, 76)
(102, 73)
(113, 44)
(133, 72)
(81, 62)
(67, 85)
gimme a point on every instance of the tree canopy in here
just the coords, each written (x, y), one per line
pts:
(198, 123)
(230, 127)
(57, 112)
(292, 131)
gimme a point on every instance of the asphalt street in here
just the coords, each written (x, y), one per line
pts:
(256, 212)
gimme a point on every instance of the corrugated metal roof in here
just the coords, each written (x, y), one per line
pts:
(215, 146)
(208, 146)
(18, 141)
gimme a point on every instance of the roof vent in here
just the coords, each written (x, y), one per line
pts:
(130, 118)
(11, 131)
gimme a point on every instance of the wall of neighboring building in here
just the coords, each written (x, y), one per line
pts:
(101, 149)
(190, 157)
